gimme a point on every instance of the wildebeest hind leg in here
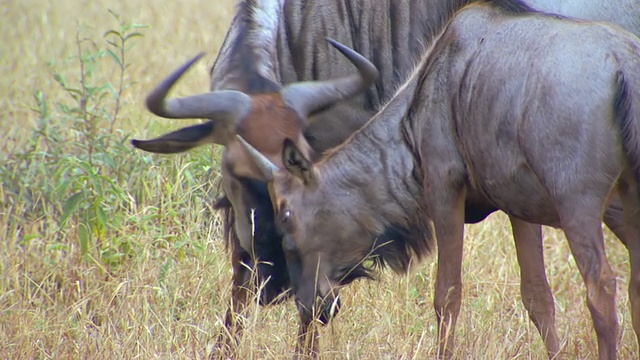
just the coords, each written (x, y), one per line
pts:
(582, 225)
(534, 287)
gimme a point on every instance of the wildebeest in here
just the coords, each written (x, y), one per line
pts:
(277, 41)
(499, 112)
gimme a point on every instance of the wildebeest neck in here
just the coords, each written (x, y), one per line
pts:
(376, 173)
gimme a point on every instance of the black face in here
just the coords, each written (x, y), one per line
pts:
(268, 258)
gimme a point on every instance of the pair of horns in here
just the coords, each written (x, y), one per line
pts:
(229, 105)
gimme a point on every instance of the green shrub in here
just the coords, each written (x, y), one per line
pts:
(80, 180)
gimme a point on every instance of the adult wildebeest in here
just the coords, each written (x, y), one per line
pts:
(499, 112)
(279, 41)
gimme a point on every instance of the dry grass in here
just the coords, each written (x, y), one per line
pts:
(166, 298)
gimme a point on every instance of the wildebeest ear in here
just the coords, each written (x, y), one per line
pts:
(296, 163)
(182, 140)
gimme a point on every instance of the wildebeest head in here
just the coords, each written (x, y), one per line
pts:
(264, 119)
(273, 116)
(327, 244)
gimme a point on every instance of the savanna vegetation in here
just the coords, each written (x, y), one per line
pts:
(109, 252)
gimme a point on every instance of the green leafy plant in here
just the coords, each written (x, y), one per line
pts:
(94, 174)
(78, 170)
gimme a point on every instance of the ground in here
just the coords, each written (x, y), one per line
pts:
(108, 252)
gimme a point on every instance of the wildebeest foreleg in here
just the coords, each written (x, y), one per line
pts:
(449, 228)
(534, 287)
(308, 341)
(583, 230)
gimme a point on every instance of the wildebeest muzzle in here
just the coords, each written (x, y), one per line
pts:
(322, 308)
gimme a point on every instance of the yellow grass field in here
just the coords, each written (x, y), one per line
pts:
(110, 253)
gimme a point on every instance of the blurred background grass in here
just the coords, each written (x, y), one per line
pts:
(107, 252)
(39, 34)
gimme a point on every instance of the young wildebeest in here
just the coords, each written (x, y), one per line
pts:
(536, 115)
(281, 41)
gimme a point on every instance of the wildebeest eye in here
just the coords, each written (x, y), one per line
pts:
(285, 221)
(286, 216)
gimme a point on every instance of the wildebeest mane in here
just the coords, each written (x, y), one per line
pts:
(397, 247)
(512, 6)
(248, 52)
(519, 7)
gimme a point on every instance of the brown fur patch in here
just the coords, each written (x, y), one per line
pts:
(268, 124)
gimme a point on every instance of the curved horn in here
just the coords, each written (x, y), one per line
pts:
(308, 97)
(265, 165)
(226, 104)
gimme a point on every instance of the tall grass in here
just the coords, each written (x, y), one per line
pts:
(108, 252)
